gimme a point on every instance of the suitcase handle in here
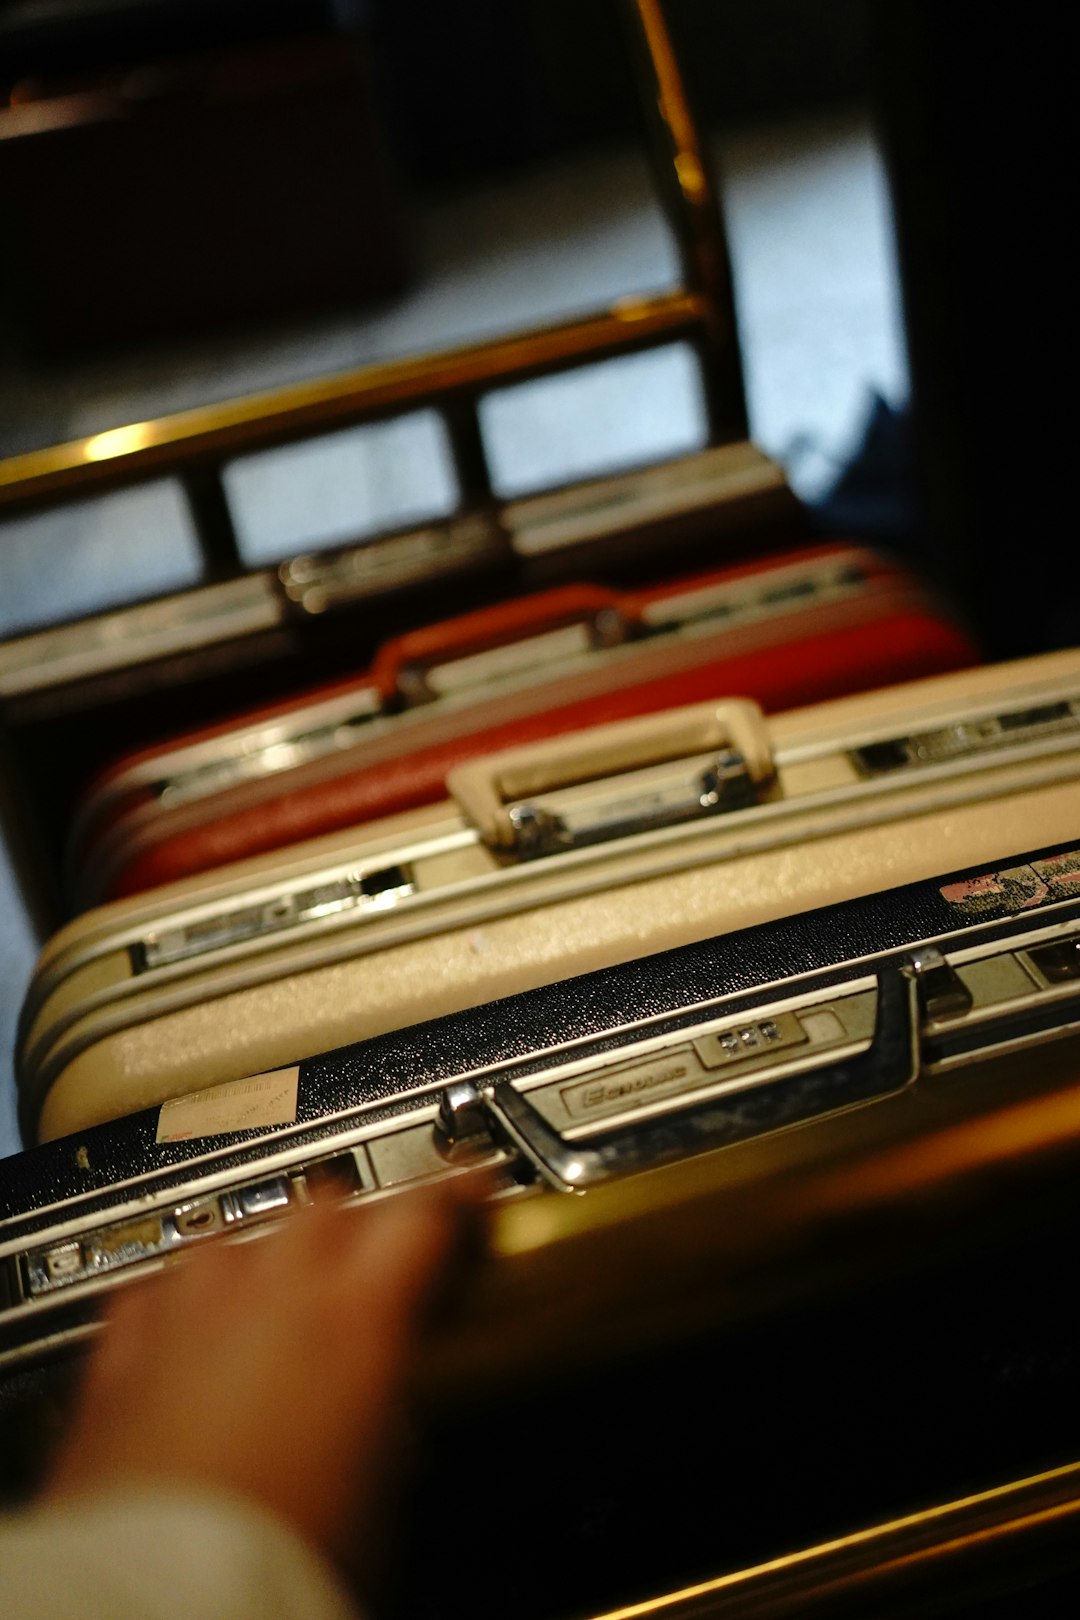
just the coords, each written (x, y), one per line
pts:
(407, 667)
(889, 1063)
(482, 787)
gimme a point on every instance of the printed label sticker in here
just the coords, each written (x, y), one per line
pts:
(1017, 888)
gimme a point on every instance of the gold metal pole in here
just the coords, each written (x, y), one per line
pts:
(702, 312)
(924, 1563)
(210, 434)
(689, 192)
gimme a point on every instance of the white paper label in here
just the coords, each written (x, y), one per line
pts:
(237, 1105)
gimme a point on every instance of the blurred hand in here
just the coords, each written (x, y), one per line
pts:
(273, 1368)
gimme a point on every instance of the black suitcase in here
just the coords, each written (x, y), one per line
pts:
(814, 1296)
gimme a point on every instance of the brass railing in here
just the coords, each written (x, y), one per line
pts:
(195, 445)
(934, 1562)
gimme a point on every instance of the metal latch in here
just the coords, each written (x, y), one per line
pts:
(353, 892)
(244, 759)
(463, 1127)
(942, 993)
(969, 738)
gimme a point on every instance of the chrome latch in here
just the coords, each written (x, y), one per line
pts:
(941, 991)
(463, 1127)
(354, 893)
(970, 738)
(247, 760)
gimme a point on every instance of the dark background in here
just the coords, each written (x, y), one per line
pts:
(975, 116)
(541, 70)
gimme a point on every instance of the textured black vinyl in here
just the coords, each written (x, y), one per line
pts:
(673, 989)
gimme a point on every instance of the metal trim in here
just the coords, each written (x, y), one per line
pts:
(499, 887)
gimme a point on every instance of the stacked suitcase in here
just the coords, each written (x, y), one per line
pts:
(698, 880)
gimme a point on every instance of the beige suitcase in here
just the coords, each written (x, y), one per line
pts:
(543, 864)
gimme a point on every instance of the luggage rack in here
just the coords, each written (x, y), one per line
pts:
(194, 446)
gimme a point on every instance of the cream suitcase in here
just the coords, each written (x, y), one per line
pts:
(545, 863)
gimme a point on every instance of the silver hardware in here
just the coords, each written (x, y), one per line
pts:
(764, 1035)
(262, 1198)
(463, 1124)
(144, 1237)
(120, 1244)
(196, 1220)
(538, 832)
(942, 993)
(317, 583)
(64, 1263)
(726, 785)
(616, 1087)
(339, 1174)
(562, 1165)
(357, 892)
(248, 760)
(744, 601)
(1058, 963)
(705, 481)
(140, 634)
(543, 1124)
(420, 1151)
(542, 653)
(1007, 728)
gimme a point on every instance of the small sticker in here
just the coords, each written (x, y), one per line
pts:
(238, 1105)
(1062, 872)
(1017, 888)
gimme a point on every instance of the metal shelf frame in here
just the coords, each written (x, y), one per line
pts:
(194, 446)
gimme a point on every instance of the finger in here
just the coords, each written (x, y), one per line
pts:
(398, 1262)
(122, 1350)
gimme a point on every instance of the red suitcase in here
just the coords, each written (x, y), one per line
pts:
(786, 630)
